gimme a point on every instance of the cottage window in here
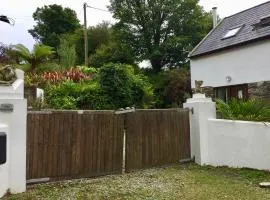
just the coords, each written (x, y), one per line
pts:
(232, 92)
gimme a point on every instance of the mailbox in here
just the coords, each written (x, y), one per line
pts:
(3, 148)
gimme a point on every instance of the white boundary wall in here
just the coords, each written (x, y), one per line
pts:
(238, 144)
(13, 173)
(224, 142)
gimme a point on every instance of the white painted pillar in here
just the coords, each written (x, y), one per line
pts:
(15, 119)
(203, 108)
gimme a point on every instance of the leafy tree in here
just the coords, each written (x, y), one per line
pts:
(113, 52)
(67, 54)
(52, 21)
(163, 31)
(97, 36)
(39, 54)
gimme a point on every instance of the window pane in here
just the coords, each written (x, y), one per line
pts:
(232, 32)
(221, 93)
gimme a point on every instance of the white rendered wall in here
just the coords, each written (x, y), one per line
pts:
(238, 144)
(15, 171)
(246, 64)
(17, 138)
(4, 169)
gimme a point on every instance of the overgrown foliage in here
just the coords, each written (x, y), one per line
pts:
(162, 31)
(249, 110)
(115, 86)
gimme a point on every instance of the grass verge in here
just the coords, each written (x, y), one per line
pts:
(174, 182)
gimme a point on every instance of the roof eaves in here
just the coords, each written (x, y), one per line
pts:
(195, 48)
(232, 46)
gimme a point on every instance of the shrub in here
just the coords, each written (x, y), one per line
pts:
(171, 88)
(36, 104)
(63, 96)
(88, 70)
(93, 98)
(250, 110)
(123, 87)
(70, 95)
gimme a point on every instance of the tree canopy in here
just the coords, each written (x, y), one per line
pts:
(163, 31)
(97, 35)
(52, 21)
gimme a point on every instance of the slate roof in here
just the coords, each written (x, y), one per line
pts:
(214, 41)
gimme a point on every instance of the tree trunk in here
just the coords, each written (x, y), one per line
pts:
(156, 64)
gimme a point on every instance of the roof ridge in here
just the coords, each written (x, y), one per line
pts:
(213, 41)
(247, 9)
(208, 34)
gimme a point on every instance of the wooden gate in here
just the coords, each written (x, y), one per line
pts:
(72, 145)
(157, 137)
(68, 144)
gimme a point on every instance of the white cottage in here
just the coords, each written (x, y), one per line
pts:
(233, 60)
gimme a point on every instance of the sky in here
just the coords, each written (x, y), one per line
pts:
(21, 11)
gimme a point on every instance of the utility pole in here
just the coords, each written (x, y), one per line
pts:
(85, 35)
(85, 31)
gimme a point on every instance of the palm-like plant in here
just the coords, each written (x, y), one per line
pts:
(250, 110)
(39, 54)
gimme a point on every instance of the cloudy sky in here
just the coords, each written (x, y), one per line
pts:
(21, 11)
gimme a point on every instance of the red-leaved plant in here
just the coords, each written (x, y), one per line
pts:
(73, 74)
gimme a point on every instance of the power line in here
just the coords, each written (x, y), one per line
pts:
(98, 9)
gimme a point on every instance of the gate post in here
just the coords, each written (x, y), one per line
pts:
(13, 113)
(202, 109)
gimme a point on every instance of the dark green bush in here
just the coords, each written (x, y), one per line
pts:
(62, 96)
(171, 88)
(92, 98)
(249, 110)
(123, 87)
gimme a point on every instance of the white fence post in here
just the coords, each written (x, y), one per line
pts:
(13, 113)
(202, 109)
